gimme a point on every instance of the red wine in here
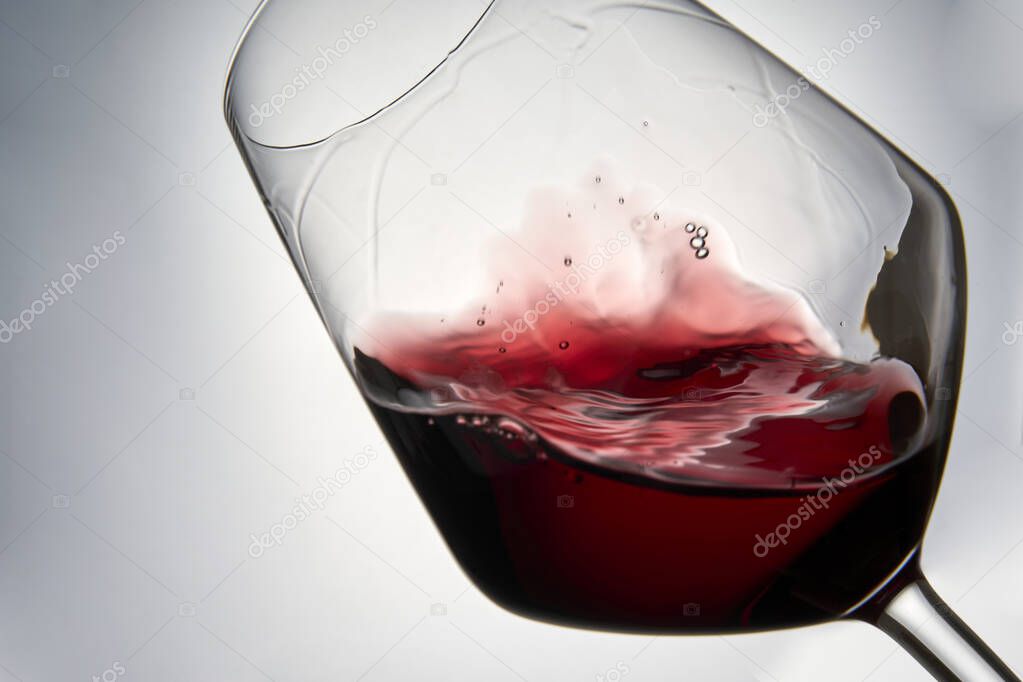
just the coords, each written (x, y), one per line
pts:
(655, 440)
(594, 508)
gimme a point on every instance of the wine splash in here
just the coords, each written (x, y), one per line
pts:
(625, 333)
(627, 396)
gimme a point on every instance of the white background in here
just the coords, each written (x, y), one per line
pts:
(110, 119)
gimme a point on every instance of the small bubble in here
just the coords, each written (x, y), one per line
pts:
(460, 419)
(430, 421)
(702, 253)
(567, 261)
(480, 322)
(569, 215)
(696, 242)
(842, 323)
(657, 216)
(597, 179)
(511, 428)
(563, 345)
(646, 124)
(702, 232)
(690, 227)
(502, 349)
(621, 200)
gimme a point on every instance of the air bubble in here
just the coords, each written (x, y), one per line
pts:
(696, 242)
(480, 322)
(702, 253)
(842, 323)
(690, 227)
(597, 179)
(512, 428)
(460, 420)
(563, 345)
(621, 200)
(657, 216)
(702, 232)
(567, 261)
(646, 124)
(502, 349)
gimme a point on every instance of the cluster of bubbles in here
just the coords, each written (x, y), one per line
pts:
(503, 427)
(699, 242)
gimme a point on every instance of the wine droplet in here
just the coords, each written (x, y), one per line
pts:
(563, 345)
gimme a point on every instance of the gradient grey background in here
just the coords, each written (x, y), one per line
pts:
(185, 394)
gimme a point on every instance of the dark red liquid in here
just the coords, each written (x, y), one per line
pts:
(569, 489)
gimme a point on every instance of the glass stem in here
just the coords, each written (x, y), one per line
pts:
(926, 627)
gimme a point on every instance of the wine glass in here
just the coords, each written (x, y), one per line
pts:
(665, 338)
